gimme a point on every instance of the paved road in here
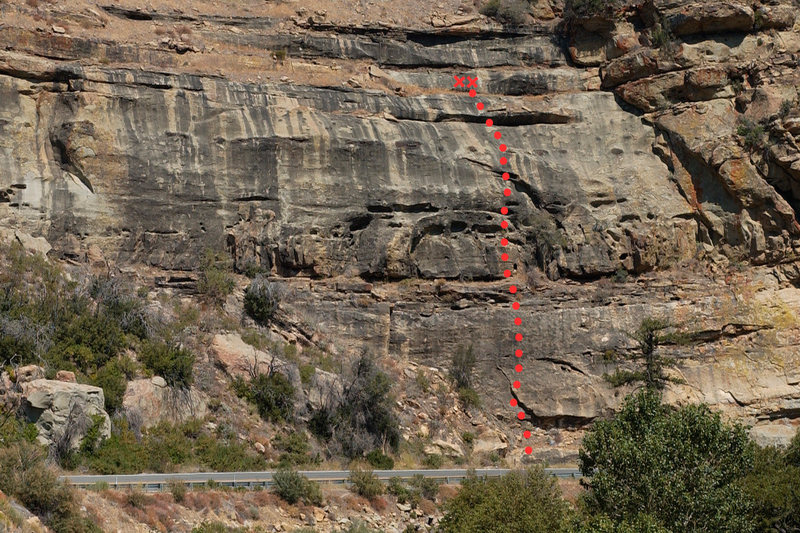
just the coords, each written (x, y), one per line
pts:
(157, 482)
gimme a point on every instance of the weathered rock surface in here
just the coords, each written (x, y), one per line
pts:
(152, 401)
(64, 412)
(351, 171)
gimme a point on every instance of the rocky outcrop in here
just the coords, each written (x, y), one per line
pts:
(151, 401)
(64, 412)
(344, 165)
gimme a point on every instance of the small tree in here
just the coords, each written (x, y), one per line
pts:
(365, 483)
(652, 365)
(527, 500)
(294, 487)
(679, 467)
(362, 417)
(270, 391)
(463, 366)
(774, 488)
(216, 280)
(261, 299)
(170, 361)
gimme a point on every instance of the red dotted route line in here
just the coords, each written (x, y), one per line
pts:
(472, 82)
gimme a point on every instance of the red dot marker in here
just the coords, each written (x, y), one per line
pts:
(503, 147)
(513, 402)
(528, 450)
(517, 384)
(507, 192)
(507, 273)
(521, 415)
(489, 122)
(503, 160)
(512, 289)
(504, 242)
(518, 368)
(480, 106)
(473, 93)
(515, 305)
(497, 135)
(526, 434)
(518, 321)
(504, 224)
(518, 353)
(504, 210)
(518, 337)
(503, 257)
(506, 175)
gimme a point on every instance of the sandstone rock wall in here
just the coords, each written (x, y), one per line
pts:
(350, 171)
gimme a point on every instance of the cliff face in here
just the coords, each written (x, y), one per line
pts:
(327, 147)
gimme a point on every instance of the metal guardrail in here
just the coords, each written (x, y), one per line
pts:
(250, 480)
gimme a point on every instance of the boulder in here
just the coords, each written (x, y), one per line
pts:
(323, 386)
(237, 358)
(490, 441)
(29, 373)
(66, 376)
(63, 412)
(155, 402)
(773, 434)
(689, 18)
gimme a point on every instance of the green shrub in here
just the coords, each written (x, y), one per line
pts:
(365, 483)
(506, 11)
(91, 440)
(423, 382)
(171, 362)
(273, 395)
(307, 373)
(433, 461)
(118, 302)
(121, 453)
(178, 490)
(786, 108)
(403, 493)
(469, 397)
(24, 476)
(427, 487)
(589, 8)
(294, 487)
(752, 134)
(773, 486)
(136, 498)
(528, 501)
(261, 300)
(113, 381)
(216, 281)
(463, 367)
(295, 449)
(222, 456)
(86, 343)
(379, 460)
(363, 417)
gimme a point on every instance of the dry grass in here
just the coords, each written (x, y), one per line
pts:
(427, 507)
(379, 504)
(264, 498)
(155, 510)
(355, 503)
(447, 492)
(203, 500)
